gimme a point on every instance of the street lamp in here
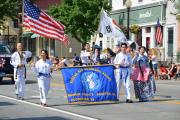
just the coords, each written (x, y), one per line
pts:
(7, 25)
(128, 5)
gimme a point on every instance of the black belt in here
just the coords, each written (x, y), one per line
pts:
(123, 66)
(43, 74)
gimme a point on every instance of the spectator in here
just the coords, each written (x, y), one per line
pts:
(172, 70)
(163, 72)
(76, 60)
(178, 72)
(96, 56)
(110, 55)
(153, 57)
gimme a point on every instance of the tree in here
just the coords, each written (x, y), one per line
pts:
(81, 17)
(9, 9)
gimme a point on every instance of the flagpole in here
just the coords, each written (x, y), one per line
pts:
(22, 20)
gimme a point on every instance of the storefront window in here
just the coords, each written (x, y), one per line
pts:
(170, 41)
(32, 45)
(46, 44)
(124, 2)
(52, 47)
(148, 29)
(29, 44)
(147, 42)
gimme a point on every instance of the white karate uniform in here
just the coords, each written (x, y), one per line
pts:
(85, 57)
(42, 68)
(19, 73)
(122, 73)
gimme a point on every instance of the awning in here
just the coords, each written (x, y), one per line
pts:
(27, 34)
(35, 35)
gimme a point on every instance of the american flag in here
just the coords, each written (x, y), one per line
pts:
(41, 23)
(158, 34)
(66, 40)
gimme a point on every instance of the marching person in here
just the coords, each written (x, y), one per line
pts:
(19, 61)
(85, 55)
(143, 79)
(43, 70)
(122, 63)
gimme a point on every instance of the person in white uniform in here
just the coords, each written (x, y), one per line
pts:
(43, 70)
(19, 61)
(85, 55)
(123, 62)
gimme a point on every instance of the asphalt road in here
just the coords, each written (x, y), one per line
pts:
(165, 105)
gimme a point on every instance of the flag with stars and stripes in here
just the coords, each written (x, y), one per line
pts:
(158, 34)
(40, 23)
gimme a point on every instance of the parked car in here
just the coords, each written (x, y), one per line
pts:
(6, 69)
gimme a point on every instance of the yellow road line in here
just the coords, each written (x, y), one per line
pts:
(167, 101)
(57, 85)
(173, 102)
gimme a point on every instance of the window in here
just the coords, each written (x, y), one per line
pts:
(101, 43)
(15, 23)
(148, 29)
(124, 2)
(52, 47)
(170, 41)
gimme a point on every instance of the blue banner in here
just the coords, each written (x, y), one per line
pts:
(90, 83)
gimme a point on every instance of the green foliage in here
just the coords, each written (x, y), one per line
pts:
(9, 8)
(135, 29)
(81, 17)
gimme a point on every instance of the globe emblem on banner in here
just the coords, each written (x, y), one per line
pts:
(90, 81)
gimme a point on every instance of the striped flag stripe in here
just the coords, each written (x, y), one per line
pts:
(39, 27)
(46, 20)
(45, 35)
(55, 22)
(44, 25)
(34, 28)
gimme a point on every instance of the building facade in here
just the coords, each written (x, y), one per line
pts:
(9, 32)
(145, 14)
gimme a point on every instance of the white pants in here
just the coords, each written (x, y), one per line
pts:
(19, 81)
(120, 81)
(44, 86)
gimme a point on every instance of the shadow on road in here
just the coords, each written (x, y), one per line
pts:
(6, 103)
(6, 82)
(31, 82)
(9, 82)
(165, 96)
